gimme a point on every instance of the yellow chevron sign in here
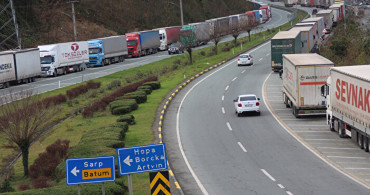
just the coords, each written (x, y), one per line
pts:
(160, 183)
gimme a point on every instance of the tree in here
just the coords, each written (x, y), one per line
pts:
(217, 32)
(188, 40)
(238, 26)
(251, 25)
(23, 119)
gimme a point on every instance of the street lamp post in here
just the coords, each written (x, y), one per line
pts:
(182, 16)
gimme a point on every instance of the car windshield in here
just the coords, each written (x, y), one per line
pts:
(244, 56)
(94, 50)
(130, 43)
(47, 60)
(247, 98)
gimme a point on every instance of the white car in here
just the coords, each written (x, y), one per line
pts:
(246, 104)
(245, 59)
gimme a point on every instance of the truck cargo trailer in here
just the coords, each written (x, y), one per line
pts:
(284, 42)
(107, 50)
(19, 66)
(307, 38)
(303, 76)
(348, 103)
(328, 19)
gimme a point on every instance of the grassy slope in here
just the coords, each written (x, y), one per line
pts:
(141, 133)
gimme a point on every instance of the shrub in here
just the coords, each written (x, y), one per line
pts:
(121, 110)
(114, 84)
(226, 49)
(146, 88)
(139, 96)
(40, 182)
(92, 93)
(72, 93)
(202, 53)
(154, 84)
(54, 100)
(129, 118)
(118, 145)
(178, 62)
(125, 102)
(47, 161)
(121, 125)
(6, 187)
(23, 187)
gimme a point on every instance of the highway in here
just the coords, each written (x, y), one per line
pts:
(212, 151)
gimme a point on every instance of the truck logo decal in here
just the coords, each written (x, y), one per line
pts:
(352, 94)
(75, 47)
(5, 66)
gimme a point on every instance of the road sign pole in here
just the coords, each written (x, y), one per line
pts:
(102, 189)
(131, 192)
(78, 189)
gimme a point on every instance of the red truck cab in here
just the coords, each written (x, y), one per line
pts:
(133, 44)
(265, 7)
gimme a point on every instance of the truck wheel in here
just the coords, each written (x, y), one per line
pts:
(295, 112)
(341, 131)
(285, 99)
(366, 144)
(5, 85)
(64, 71)
(360, 140)
(55, 73)
(331, 125)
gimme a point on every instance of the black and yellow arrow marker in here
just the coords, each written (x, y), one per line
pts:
(159, 183)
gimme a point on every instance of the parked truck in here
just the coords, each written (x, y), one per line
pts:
(19, 66)
(320, 28)
(168, 36)
(316, 38)
(289, 3)
(195, 34)
(143, 43)
(347, 94)
(220, 26)
(328, 19)
(307, 38)
(107, 50)
(62, 58)
(336, 13)
(284, 42)
(303, 76)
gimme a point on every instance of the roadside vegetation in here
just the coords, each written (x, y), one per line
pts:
(349, 44)
(99, 132)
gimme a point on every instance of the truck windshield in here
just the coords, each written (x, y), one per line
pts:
(94, 50)
(130, 43)
(47, 59)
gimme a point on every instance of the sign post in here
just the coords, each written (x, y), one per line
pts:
(90, 170)
(141, 159)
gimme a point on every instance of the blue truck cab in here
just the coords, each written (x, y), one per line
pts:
(96, 53)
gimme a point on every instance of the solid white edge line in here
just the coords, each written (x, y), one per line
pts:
(229, 126)
(268, 175)
(242, 147)
(200, 185)
(304, 144)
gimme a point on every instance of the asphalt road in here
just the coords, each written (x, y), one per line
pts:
(226, 154)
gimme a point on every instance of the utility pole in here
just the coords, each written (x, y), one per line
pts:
(15, 25)
(182, 16)
(74, 18)
(9, 35)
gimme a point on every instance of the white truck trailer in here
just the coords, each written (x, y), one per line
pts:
(320, 27)
(307, 38)
(19, 66)
(303, 76)
(328, 18)
(62, 58)
(348, 103)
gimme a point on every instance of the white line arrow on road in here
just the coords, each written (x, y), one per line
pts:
(75, 171)
(128, 161)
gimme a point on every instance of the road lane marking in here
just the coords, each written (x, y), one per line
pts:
(242, 147)
(243, 71)
(260, 59)
(353, 168)
(223, 98)
(289, 193)
(229, 126)
(334, 148)
(223, 110)
(268, 175)
(281, 186)
(227, 87)
(234, 79)
(267, 54)
(350, 157)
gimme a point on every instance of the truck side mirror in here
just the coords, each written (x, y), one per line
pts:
(324, 90)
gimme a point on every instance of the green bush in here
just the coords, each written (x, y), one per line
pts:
(154, 84)
(130, 119)
(118, 145)
(147, 89)
(121, 110)
(139, 96)
(124, 102)
(114, 84)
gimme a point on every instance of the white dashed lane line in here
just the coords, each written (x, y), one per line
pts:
(260, 59)
(268, 175)
(227, 87)
(243, 71)
(223, 110)
(242, 147)
(223, 98)
(234, 79)
(229, 126)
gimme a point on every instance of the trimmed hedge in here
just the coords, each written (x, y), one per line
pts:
(124, 102)
(146, 88)
(121, 110)
(154, 84)
(128, 118)
(139, 96)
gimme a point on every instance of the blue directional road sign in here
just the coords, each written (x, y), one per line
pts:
(140, 159)
(90, 170)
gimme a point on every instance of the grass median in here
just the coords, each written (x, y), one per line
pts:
(171, 73)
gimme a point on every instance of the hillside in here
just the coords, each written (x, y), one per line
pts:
(50, 21)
